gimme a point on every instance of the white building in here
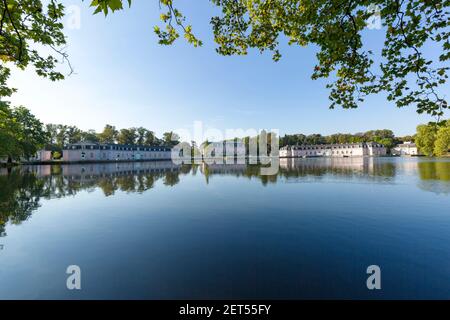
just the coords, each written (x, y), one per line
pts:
(406, 149)
(334, 150)
(89, 151)
(41, 155)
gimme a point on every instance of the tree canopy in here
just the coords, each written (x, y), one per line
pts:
(433, 139)
(385, 137)
(404, 70)
(27, 30)
(60, 135)
(21, 133)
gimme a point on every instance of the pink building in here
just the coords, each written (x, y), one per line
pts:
(90, 151)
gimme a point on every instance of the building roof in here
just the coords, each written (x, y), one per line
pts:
(337, 145)
(407, 145)
(89, 143)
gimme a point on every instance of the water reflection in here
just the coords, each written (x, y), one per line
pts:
(21, 189)
(434, 176)
(342, 168)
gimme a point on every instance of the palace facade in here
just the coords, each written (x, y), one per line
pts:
(406, 149)
(90, 151)
(334, 150)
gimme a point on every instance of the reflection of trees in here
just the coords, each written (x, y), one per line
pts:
(22, 189)
(431, 170)
(253, 171)
(435, 176)
(366, 168)
(19, 197)
(171, 179)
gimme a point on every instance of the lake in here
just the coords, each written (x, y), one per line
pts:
(156, 230)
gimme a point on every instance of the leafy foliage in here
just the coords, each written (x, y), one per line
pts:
(127, 136)
(60, 135)
(21, 134)
(385, 137)
(405, 72)
(434, 138)
(425, 137)
(171, 138)
(108, 135)
(442, 143)
(27, 30)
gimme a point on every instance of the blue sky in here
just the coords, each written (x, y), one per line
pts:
(124, 78)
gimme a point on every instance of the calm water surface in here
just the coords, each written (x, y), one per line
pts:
(156, 230)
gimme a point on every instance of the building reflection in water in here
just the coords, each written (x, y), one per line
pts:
(434, 176)
(23, 188)
(342, 168)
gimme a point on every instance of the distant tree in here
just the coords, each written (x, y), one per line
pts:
(442, 143)
(74, 135)
(407, 138)
(141, 135)
(384, 136)
(8, 130)
(170, 138)
(314, 139)
(61, 136)
(31, 135)
(52, 132)
(108, 135)
(89, 136)
(57, 155)
(127, 136)
(150, 138)
(425, 138)
(21, 133)
(299, 139)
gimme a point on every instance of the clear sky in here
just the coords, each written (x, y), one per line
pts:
(124, 78)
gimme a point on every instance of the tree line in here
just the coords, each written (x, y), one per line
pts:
(22, 191)
(433, 139)
(22, 135)
(60, 135)
(385, 137)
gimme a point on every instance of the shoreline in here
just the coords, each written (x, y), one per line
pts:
(53, 162)
(56, 162)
